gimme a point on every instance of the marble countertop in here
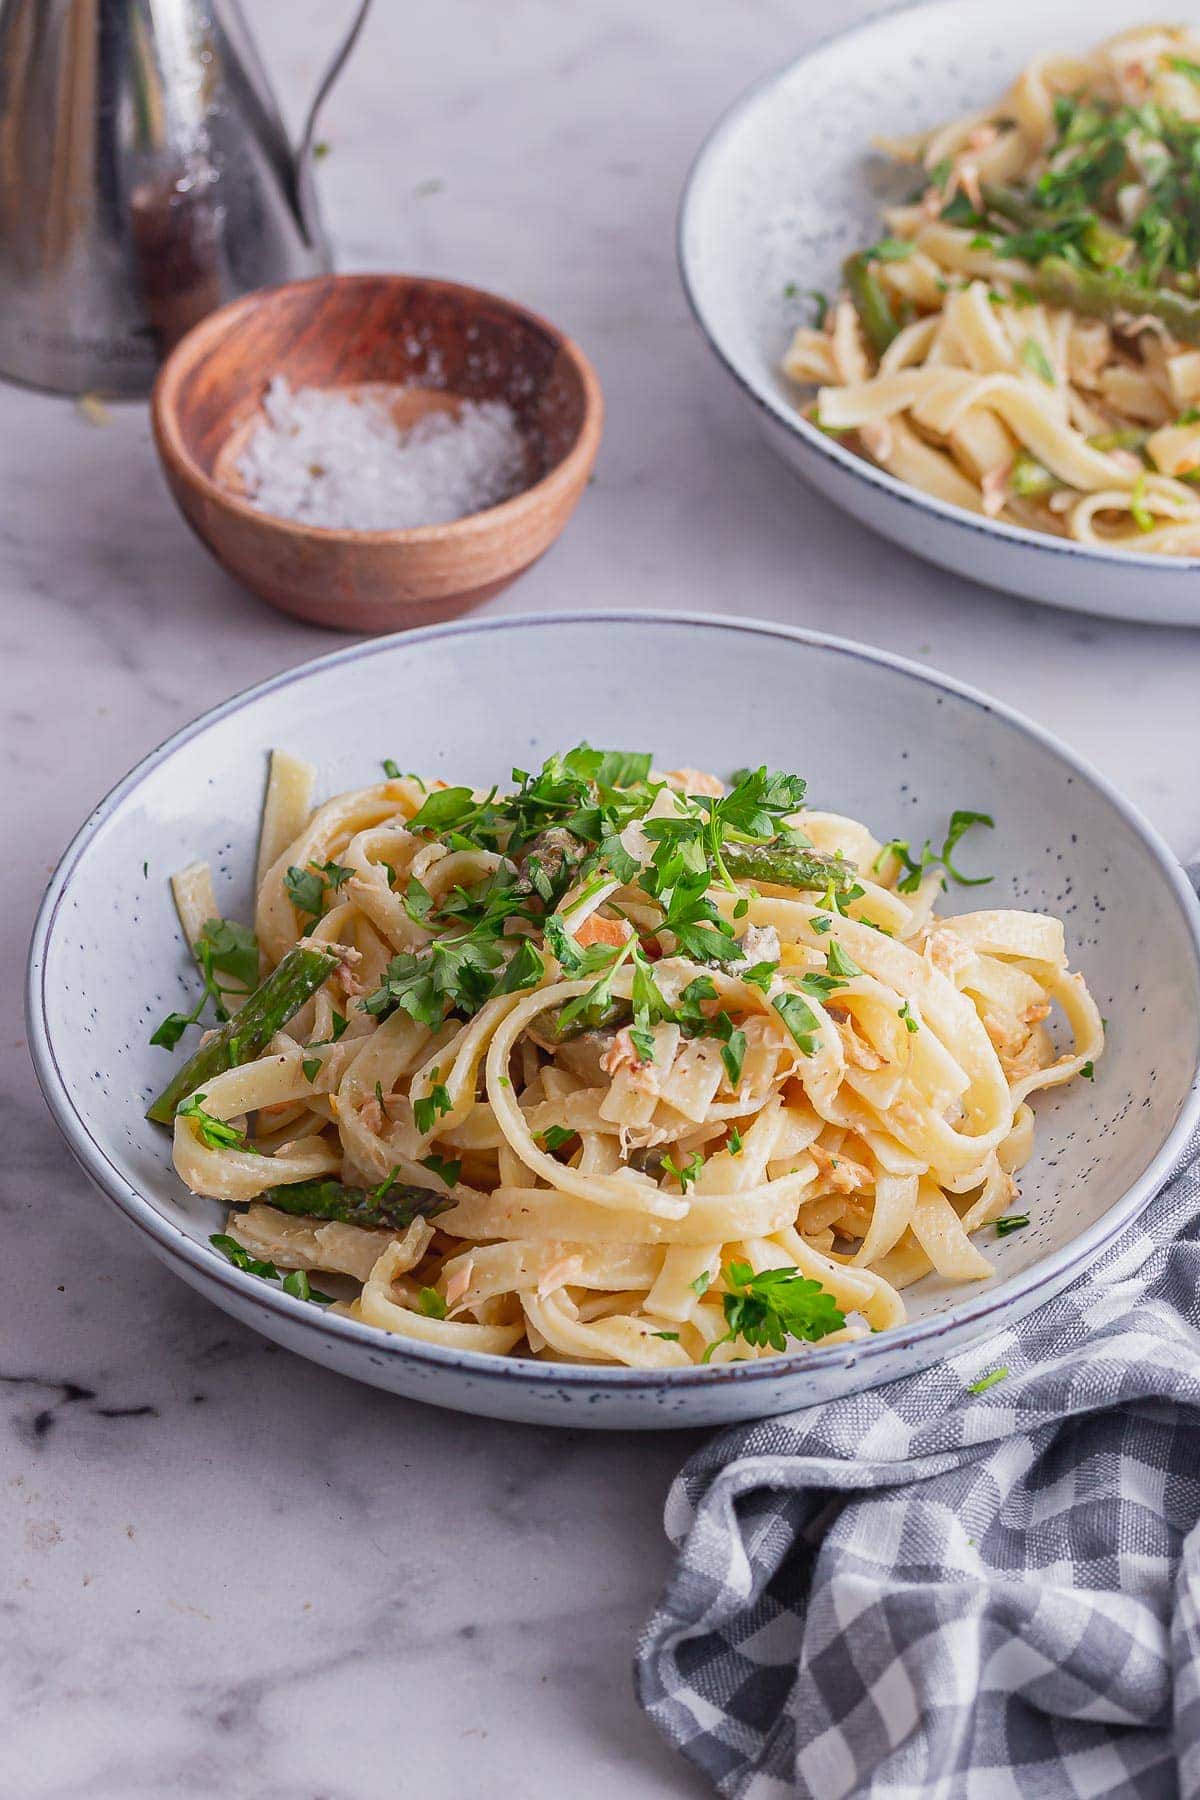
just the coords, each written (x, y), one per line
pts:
(230, 1573)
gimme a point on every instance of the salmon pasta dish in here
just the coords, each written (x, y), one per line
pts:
(612, 1065)
(1023, 338)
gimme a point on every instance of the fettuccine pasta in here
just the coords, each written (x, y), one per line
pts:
(618, 1067)
(1025, 341)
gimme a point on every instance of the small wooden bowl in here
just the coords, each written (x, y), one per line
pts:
(441, 342)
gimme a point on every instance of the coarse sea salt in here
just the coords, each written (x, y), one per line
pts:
(327, 457)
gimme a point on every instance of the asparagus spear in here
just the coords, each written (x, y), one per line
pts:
(246, 1036)
(1102, 294)
(1100, 242)
(870, 302)
(392, 1206)
(789, 866)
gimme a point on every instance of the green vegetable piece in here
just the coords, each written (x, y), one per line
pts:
(299, 975)
(1102, 294)
(773, 1306)
(788, 866)
(1030, 478)
(870, 302)
(392, 1206)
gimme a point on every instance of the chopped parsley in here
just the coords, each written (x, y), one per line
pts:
(906, 1013)
(216, 1133)
(800, 1020)
(296, 1282)
(1088, 1071)
(431, 1303)
(555, 1136)
(311, 1067)
(915, 867)
(431, 1106)
(445, 1171)
(734, 1145)
(1011, 1222)
(686, 1174)
(773, 1306)
(988, 1381)
(1037, 362)
(222, 948)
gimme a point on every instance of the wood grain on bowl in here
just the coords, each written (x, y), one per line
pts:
(444, 343)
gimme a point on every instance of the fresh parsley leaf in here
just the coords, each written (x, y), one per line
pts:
(432, 1106)
(988, 1381)
(838, 962)
(911, 1025)
(216, 1133)
(672, 1337)
(168, 1034)
(448, 1172)
(800, 1020)
(555, 1136)
(1088, 1071)
(1011, 1222)
(961, 822)
(733, 1055)
(773, 1306)
(891, 249)
(702, 1284)
(339, 1024)
(431, 1303)
(1036, 360)
(311, 1067)
(391, 769)
(525, 969)
(759, 974)
(688, 1174)
(241, 1257)
(306, 891)
(418, 901)
(297, 1284)
(643, 1043)
(734, 1145)
(1140, 513)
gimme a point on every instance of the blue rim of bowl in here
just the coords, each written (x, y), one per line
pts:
(966, 1321)
(777, 409)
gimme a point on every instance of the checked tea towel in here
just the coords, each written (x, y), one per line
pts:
(925, 1591)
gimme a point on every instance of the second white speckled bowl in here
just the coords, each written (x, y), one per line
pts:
(787, 185)
(876, 737)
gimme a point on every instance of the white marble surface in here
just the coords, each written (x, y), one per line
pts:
(227, 1573)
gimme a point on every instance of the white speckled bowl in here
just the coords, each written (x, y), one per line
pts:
(786, 186)
(876, 737)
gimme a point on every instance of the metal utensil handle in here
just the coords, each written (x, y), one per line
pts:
(327, 80)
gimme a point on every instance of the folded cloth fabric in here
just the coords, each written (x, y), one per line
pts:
(950, 1587)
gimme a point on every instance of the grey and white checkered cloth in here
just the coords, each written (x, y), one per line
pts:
(924, 1591)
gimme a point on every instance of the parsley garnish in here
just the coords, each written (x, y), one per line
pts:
(1011, 1222)
(391, 769)
(1088, 1071)
(216, 1133)
(223, 947)
(800, 1020)
(297, 1284)
(774, 1305)
(988, 1381)
(445, 1171)
(672, 1337)
(1036, 360)
(961, 822)
(689, 1174)
(311, 1067)
(431, 1303)
(906, 1013)
(555, 1136)
(432, 1106)
(734, 1146)
(702, 1284)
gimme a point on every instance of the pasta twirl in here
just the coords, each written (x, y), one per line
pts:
(617, 1067)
